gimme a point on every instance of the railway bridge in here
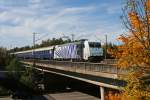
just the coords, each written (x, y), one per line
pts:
(100, 74)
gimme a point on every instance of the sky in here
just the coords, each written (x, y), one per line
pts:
(88, 19)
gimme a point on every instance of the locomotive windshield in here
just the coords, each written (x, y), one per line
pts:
(94, 44)
(95, 49)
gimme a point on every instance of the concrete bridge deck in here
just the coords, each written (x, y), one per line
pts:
(88, 74)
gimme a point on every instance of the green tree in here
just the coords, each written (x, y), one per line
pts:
(15, 68)
(4, 57)
(21, 74)
(27, 78)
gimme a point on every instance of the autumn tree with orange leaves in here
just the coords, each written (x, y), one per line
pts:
(134, 53)
(135, 50)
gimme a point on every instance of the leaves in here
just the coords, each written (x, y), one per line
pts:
(134, 53)
(135, 50)
(15, 69)
(135, 90)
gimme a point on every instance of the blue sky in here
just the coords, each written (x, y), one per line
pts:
(91, 19)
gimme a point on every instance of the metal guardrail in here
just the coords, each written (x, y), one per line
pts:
(85, 66)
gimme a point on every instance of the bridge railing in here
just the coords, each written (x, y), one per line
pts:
(85, 66)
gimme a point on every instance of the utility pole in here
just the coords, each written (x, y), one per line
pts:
(72, 37)
(36, 74)
(34, 48)
(106, 47)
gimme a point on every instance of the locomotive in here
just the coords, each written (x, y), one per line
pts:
(82, 50)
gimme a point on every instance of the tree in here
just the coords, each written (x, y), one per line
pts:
(26, 78)
(4, 57)
(15, 69)
(136, 88)
(110, 46)
(134, 53)
(135, 48)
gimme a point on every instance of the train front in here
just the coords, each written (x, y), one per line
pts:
(96, 51)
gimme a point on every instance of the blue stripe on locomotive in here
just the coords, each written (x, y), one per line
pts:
(66, 51)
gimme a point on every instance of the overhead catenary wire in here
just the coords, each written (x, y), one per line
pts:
(45, 35)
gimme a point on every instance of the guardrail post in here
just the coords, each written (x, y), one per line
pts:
(102, 94)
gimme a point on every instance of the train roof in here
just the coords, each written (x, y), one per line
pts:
(65, 44)
(38, 49)
(51, 47)
(76, 42)
(44, 48)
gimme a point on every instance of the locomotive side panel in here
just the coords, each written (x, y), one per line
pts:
(67, 51)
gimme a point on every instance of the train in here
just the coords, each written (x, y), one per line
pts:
(82, 50)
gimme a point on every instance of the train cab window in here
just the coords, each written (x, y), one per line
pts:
(94, 44)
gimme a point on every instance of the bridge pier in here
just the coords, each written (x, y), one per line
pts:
(102, 94)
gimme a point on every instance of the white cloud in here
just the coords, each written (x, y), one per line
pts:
(40, 18)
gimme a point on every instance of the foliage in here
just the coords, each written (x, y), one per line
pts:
(4, 57)
(135, 90)
(109, 47)
(135, 50)
(15, 68)
(134, 53)
(26, 78)
(21, 74)
(113, 96)
(54, 42)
